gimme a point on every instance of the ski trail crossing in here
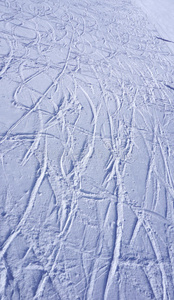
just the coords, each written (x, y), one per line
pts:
(86, 152)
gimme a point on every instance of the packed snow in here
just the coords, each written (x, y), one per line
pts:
(86, 150)
(161, 14)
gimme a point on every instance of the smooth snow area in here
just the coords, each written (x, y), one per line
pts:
(161, 14)
(86, 152)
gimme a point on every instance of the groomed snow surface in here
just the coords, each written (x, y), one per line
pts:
(161, 14)
(86, 152)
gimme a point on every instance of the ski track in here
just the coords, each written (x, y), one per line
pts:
(86, 152)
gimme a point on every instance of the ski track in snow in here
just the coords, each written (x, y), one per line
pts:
(86, 153)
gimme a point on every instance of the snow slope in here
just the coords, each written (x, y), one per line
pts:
(161, 14)
(86, 152)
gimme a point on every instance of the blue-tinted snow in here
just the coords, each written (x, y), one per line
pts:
(86, 150)
(161, 14)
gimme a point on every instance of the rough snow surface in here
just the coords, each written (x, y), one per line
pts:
(86, 153)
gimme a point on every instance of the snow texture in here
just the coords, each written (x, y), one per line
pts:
(86, 151)
(161, 14)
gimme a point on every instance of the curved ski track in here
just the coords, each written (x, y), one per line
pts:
(86, 153)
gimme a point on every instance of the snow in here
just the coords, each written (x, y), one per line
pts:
(161, 15)
(86, 150)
